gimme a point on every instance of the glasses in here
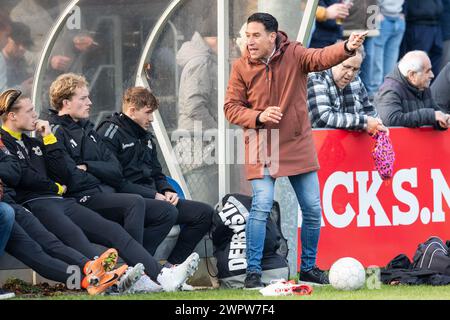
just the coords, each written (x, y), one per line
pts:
(351, 69)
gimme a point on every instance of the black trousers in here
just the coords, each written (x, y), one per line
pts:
(193, 216)
(31, 243)
(148, 221)
(128, 210)
(79, 227)
(160, 217)
(195, 220)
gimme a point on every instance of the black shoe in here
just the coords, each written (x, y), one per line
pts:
(6, 295)
(253, 281)
(315, 275)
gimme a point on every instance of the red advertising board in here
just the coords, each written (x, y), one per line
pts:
(374, 220)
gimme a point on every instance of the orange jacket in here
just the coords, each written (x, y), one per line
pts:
(253, 86)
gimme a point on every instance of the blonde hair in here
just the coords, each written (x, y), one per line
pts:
(64, 88)
(9, 101)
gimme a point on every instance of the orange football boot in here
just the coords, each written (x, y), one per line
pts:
(95, 269)
(107, 280)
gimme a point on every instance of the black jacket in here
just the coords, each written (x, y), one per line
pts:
(10, 174)
(136, 150)
(440, 89)
(423, 12)
(32, 180)
(401, 104)
(82, 145)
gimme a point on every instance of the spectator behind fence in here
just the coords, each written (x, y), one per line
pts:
(423, 29)
(360, 19)
(198, 89)
(5, 31)
(386, 46)
(337, 11)
(445, 24)
(440, 89)
(40, 16)
(405, 98)
(328, 31)
(337, 98)
(14, 54)
(197, 104)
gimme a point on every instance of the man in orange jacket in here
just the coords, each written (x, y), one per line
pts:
(267, 93)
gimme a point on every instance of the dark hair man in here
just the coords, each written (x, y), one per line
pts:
(127, 135)
(267, 90)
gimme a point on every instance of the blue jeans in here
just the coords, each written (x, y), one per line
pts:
(6, 223)
(367, 66)
(386, 50)
(306, 187)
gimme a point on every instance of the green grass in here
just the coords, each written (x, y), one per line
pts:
(319, 293)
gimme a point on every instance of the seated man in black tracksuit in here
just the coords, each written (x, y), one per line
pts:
(31, 242)
(95, 174)
(127, 135)
(75, 225)
(95, 171)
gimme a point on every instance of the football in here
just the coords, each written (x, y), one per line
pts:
(347, 274)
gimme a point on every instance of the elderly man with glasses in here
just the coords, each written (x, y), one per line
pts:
(337, 98)
(405, 98)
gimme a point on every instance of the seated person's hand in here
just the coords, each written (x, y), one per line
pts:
(83, 42)
(374, 125)
(60, 63)
(172, 197)
(442, 119)
(160, 196)
(82, 167)
(43, 128)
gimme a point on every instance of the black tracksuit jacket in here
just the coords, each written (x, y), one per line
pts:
(33, 180)
(83, 145)
(135, 148)
(10, 173)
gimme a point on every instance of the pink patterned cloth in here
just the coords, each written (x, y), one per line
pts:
(383, 154)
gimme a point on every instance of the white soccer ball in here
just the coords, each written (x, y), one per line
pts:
(347, 274)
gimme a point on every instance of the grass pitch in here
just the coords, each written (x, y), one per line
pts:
(320, 293)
